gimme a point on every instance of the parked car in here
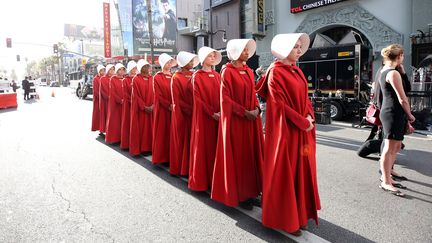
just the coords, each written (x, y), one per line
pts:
(54, 84)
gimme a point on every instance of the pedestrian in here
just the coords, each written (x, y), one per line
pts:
(140, 140)
(96, 84)
(395, 114)
(127, 90)
(115, 103)
(240, 147)
(26, 87)
(14, 86)
(104, 96)
(290, 186)
(181, 121)
(205, 120)
(162, 110)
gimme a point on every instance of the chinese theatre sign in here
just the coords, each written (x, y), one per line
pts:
(298, 6)
(107, 30)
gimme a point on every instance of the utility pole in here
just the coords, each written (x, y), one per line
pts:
(210, 40)
(150, 28)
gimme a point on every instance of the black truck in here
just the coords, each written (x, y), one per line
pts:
(340, 74)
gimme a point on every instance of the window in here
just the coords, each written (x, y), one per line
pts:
(182, 23)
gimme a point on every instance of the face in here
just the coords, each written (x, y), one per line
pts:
(145, 70)
(169, 65)
(400, 58)
(111, 71)
(133, 71)
(210, 59)
(244, 56)
(165, 6)
(295, 52)
(121, 72)
(102, 72)
(189, 65)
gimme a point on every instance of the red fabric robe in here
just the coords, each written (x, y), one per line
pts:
(125, 122)
(290, 186)
(141, 121)
(96, 112)
(206, 93)
(162, 118)
(114, 116)
(181, 121)
(240, 148)
(103, 102)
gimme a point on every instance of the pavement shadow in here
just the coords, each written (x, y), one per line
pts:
(327, 128)
(417, 160)
(335, 233)
(242, 221)
(6, 110)
(326, 230)
(337, 142)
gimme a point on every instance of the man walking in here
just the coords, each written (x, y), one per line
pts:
(26, 87)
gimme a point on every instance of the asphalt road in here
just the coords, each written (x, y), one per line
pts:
(59, 182)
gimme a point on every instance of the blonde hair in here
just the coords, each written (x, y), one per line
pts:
(391, 52)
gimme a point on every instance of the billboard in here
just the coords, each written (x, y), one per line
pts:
(83, 32)
(107, 30)
(164, 24)
(298, 6)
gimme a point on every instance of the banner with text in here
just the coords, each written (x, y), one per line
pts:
(107, 30)
(298, 6)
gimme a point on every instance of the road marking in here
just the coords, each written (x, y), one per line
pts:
(256, 213)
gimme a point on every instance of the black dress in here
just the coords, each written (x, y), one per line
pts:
(392, 115)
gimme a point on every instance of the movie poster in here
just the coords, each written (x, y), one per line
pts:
(164, 22)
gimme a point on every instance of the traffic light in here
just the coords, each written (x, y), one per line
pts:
(9, 42)
(55, 48)
(18, 58)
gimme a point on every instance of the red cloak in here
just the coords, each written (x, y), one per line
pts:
(162, 118)
(204, 131)
(141, 120)
(125, 122)
(240, 147)
(96, 112)
(114, 116)
(290, 186)
(181, 121)
(103, 102)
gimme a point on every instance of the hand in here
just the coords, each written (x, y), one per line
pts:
(216, 116)
(148, 109)
(171, 107)
(311, 123)
(411, 118)
(250, 115)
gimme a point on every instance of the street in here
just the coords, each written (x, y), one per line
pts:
(59, 182)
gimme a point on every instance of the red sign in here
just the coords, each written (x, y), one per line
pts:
(107, 30)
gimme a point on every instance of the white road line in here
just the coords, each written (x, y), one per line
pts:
(256, 213)
(333, 141)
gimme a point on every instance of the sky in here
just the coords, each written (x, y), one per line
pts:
(39, 23)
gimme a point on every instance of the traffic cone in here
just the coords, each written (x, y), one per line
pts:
(52, 93)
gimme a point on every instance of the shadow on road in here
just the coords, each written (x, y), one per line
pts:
(6, 110)
(417, 160)
(326, 229)
(337, 142)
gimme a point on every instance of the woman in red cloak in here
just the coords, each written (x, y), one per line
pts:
(162, 110)
(141, 110)
(290, 186)
(104, 96)
(181, 120)
(240, 147)
(115, 102)
(205, 120)
(127, 90)
(96, 84)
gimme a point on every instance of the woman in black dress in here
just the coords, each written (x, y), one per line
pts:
(395, 113)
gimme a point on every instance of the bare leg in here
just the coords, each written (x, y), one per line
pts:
(387, 160)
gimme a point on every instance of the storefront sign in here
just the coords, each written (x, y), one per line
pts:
(298, 6)
(345, 54)
(259, 18)
(107, 30)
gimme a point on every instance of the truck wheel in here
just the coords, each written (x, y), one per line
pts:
(336, 112)
(78, 92)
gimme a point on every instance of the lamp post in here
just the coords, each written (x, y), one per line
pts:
(150, 29)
